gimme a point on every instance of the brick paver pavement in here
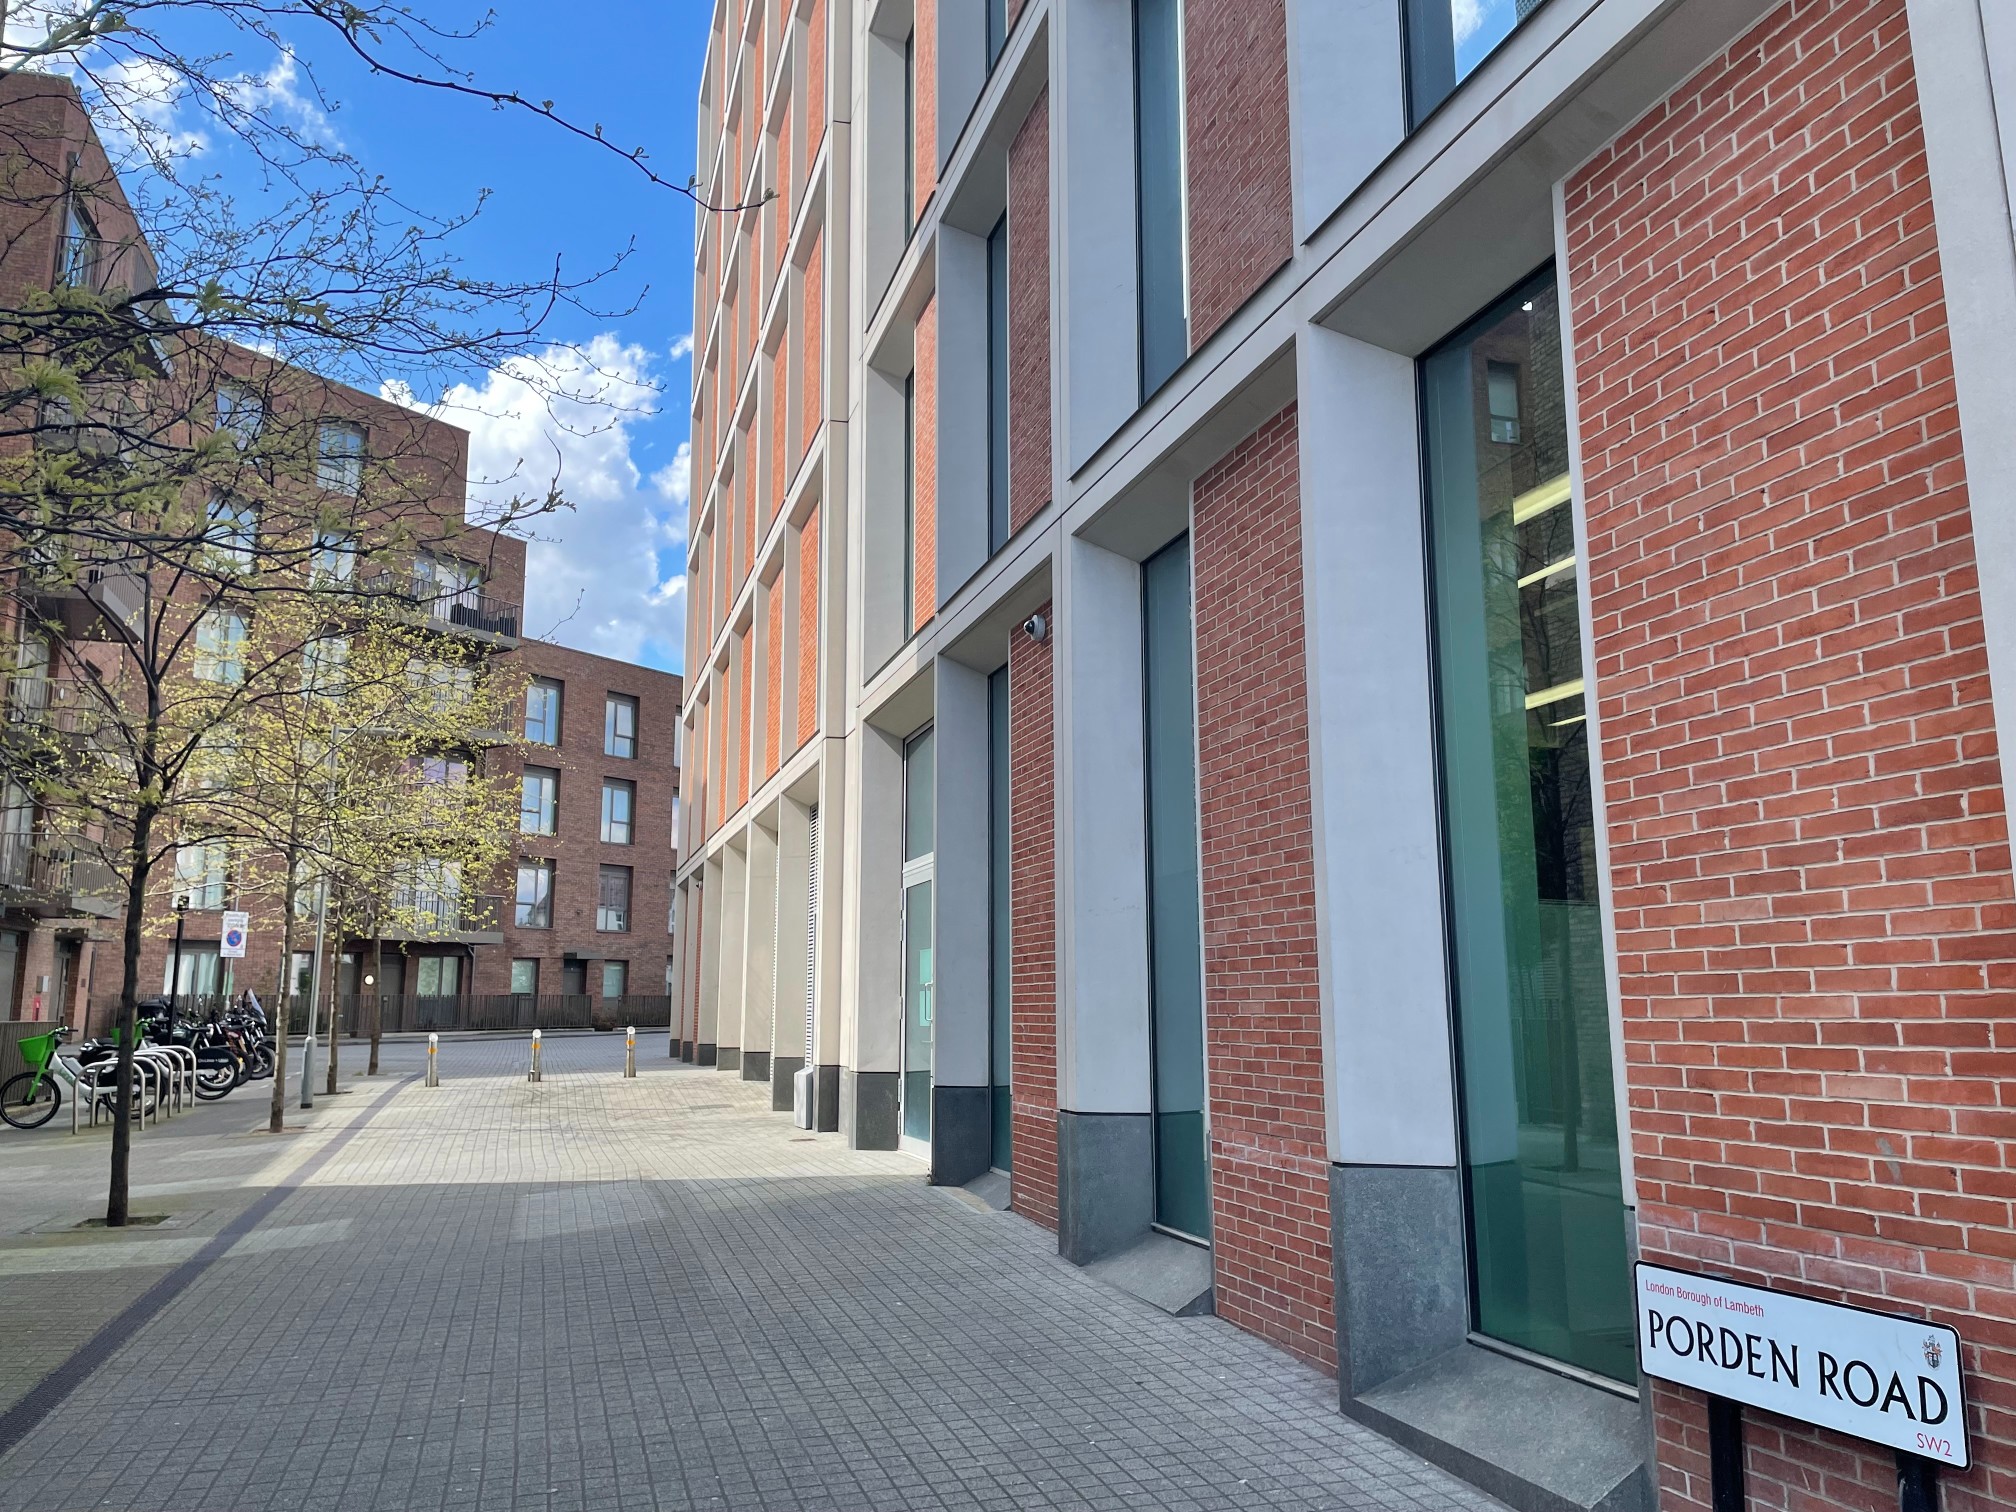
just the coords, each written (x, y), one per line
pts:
(593, 1293)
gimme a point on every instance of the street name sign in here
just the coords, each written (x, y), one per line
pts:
(1891, 1380)
(231, 943)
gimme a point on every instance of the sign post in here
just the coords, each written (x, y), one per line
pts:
(1890, 1380)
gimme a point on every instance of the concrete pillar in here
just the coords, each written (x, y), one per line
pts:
(1105, 1170)
(787, 1022)
(733, 903)
(706, 1022)
(961, 1094)
(759, 985)
(871, 942)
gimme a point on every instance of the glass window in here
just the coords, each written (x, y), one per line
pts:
(672, 903)
(619, 803)
(199, 873)
(534, 902)
(240, 415)
(443, 685)
(1000, 922)
(1446, 39)
(997, 386)
(301, 973)
(615, 978)
(1175, 939)
(339, 456)
(334, 559)
(525, 977)
(1161, 212)
(1546, 1210)
(323, 662)
(220, 647)
(997, 31)
(675, 819)
(231, 536)
(81, 247)
(909, 588)
(910, 130)
(200, 973)
(612, 907)
(542, 712)
(444, 771)
(444, 584)
(619, 727)
(919, 783)
(539, 802)
(437, 976)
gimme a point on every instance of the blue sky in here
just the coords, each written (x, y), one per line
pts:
(608, 577)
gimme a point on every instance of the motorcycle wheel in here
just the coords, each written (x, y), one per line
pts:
(260, 1065)
(28, 1105)
(214, 1082)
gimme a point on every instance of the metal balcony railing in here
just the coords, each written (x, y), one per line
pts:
(452, 608)
(100, 265)
(39, 869)
(57, 705)
(440, 913)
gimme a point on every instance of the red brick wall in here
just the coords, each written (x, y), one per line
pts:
(1810, 860)
(924, 98)
(1029, 460)
(924, 468)
(1242, 222)
(815, 81)
(773, 679)
(1014, 11)
(1032, 923)
(747, 473)
(1270, 1166)
(808, 628)
(814, 377)
(723, 787)
(745, 712)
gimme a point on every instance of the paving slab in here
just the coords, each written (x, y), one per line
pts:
(594, 1293)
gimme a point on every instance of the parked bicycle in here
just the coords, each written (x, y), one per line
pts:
(33, 1097)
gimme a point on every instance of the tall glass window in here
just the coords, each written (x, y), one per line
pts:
(1546, 1207)
(1175, 935)
(542, 712)
(1160, 212)
(1000, 957)
(909, 589)
(1446, 39)
(920, 786)
(997, 38)
(997, 387)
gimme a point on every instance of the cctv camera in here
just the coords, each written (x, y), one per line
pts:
(1037, 628)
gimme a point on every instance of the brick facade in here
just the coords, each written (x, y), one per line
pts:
(925, 95)
(1809, 854)
(1032, 924)
(1242, 222)
(773, 676)
(815, 80)
(1029, 458)
(1270, 1169)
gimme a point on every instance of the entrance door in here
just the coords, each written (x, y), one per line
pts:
(574, 978)
(919, 973)
(392, 988)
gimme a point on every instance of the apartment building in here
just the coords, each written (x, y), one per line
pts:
(1353, 642)
(580, 917)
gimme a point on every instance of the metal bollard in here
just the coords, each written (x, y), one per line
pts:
(533, 1075)
(433, 1071)
(630, 1051)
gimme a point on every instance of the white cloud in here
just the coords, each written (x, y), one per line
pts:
(570, 419)
(674, 481)
(1465, 17)
(275, 97)
(682, 347)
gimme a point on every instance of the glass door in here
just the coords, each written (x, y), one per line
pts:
(919, 871)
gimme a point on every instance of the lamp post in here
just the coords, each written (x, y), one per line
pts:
(175, 971)
(314, 997)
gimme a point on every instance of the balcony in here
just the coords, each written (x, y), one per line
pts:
(446, 916)
(52, 879)
(94, 594)
(49, 707)
(461, 611)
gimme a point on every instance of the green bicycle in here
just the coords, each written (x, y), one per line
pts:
(30, 1100)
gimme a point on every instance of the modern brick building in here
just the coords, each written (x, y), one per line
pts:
(1364, 645)
(583, 913)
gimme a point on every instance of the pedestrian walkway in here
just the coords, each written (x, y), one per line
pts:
(591, 1293)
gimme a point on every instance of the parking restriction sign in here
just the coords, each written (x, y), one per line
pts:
(231, 944)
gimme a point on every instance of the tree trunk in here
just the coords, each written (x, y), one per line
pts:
(116, 1200)
(276, 1114)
